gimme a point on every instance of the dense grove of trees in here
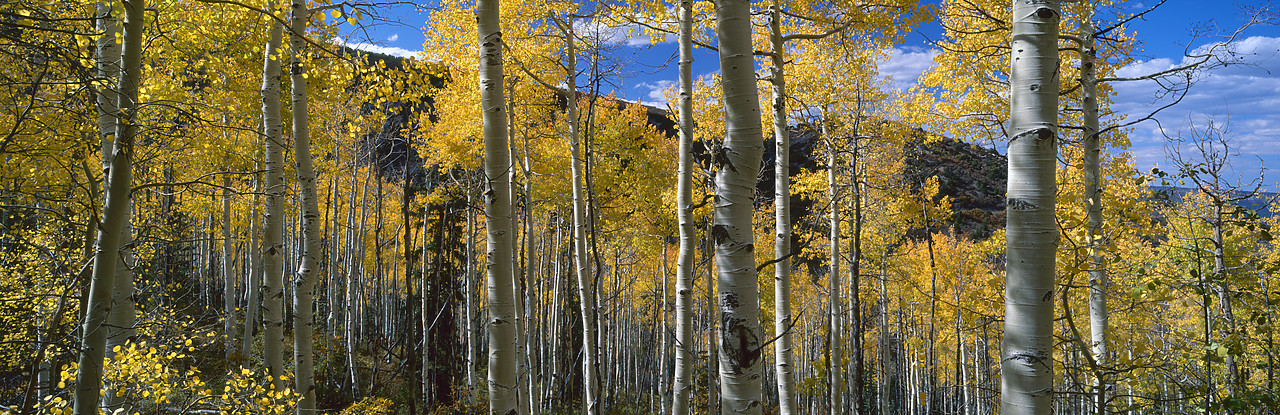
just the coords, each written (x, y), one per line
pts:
(789, 235)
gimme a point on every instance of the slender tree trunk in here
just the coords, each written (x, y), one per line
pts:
(228, 277)
(309, 261)
(528, 340)
(1098, 280)
(519, 269)
(253, 281)
(834, 335)
(782, 217)
(713, 341)
(503, 382)
(1027, 355)
(586, 287)
(468, 298)
(115, 216)
(355, 277)
(662, 311)
(273, 236)
(737, 163)
(1235, 384)
(122, 317)
(855, 276)
(682, 385)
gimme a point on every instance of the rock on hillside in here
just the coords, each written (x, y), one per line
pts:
(973, 176)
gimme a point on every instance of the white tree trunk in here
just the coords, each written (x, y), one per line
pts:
(123, 315)
(469, 310)
(503, 383)
(1098, 281)
(782, 217)
(737, 162)
(253, 281)
(1027, 354)
(228, 278)
(586, 286)
(309, 260)
(682, 384)
(834, 335)
(118, 176)
(273, 234)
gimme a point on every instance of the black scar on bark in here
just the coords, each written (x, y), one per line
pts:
(722, 158)
(719, 234)
(1019, 204)
(739, 343)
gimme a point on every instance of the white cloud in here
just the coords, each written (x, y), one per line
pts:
(627, 34)
(370, 47)
(1247, 94)
(655, 90)
(394, 37)
(905, 65)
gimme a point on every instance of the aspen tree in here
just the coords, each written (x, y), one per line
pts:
(503, 383)
(253, 278)
(682, 385)
(1031, 231)
(835, 386)
(272, 291)
(736, 162)
(586, 287)
(123, 314)
(228, 278)
(782, 216)
(119, 177)
(1098, 282)
(309, 260)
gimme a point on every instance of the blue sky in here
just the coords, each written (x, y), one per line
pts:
(1246, 95)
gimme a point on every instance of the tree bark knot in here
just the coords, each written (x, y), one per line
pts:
(1042, 133)
(1019, 204)
(1030, 358)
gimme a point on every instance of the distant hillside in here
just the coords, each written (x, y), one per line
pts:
(973, 176)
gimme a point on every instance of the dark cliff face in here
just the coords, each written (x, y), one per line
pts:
(971, 175)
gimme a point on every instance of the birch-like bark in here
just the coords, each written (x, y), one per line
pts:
(737, 162)
(228, 278)
(309, 260)
(468, 300)
(533, 374)
(1027, 355)
(522, 324)
(273, 233)
(123, 314)
(663, 311)
(586, 288)
(855, 274)
(834, 335)
(503, 384)
(115, 216)
(782, 217)
(253, 280)
(1098, 280)
(682, 384)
